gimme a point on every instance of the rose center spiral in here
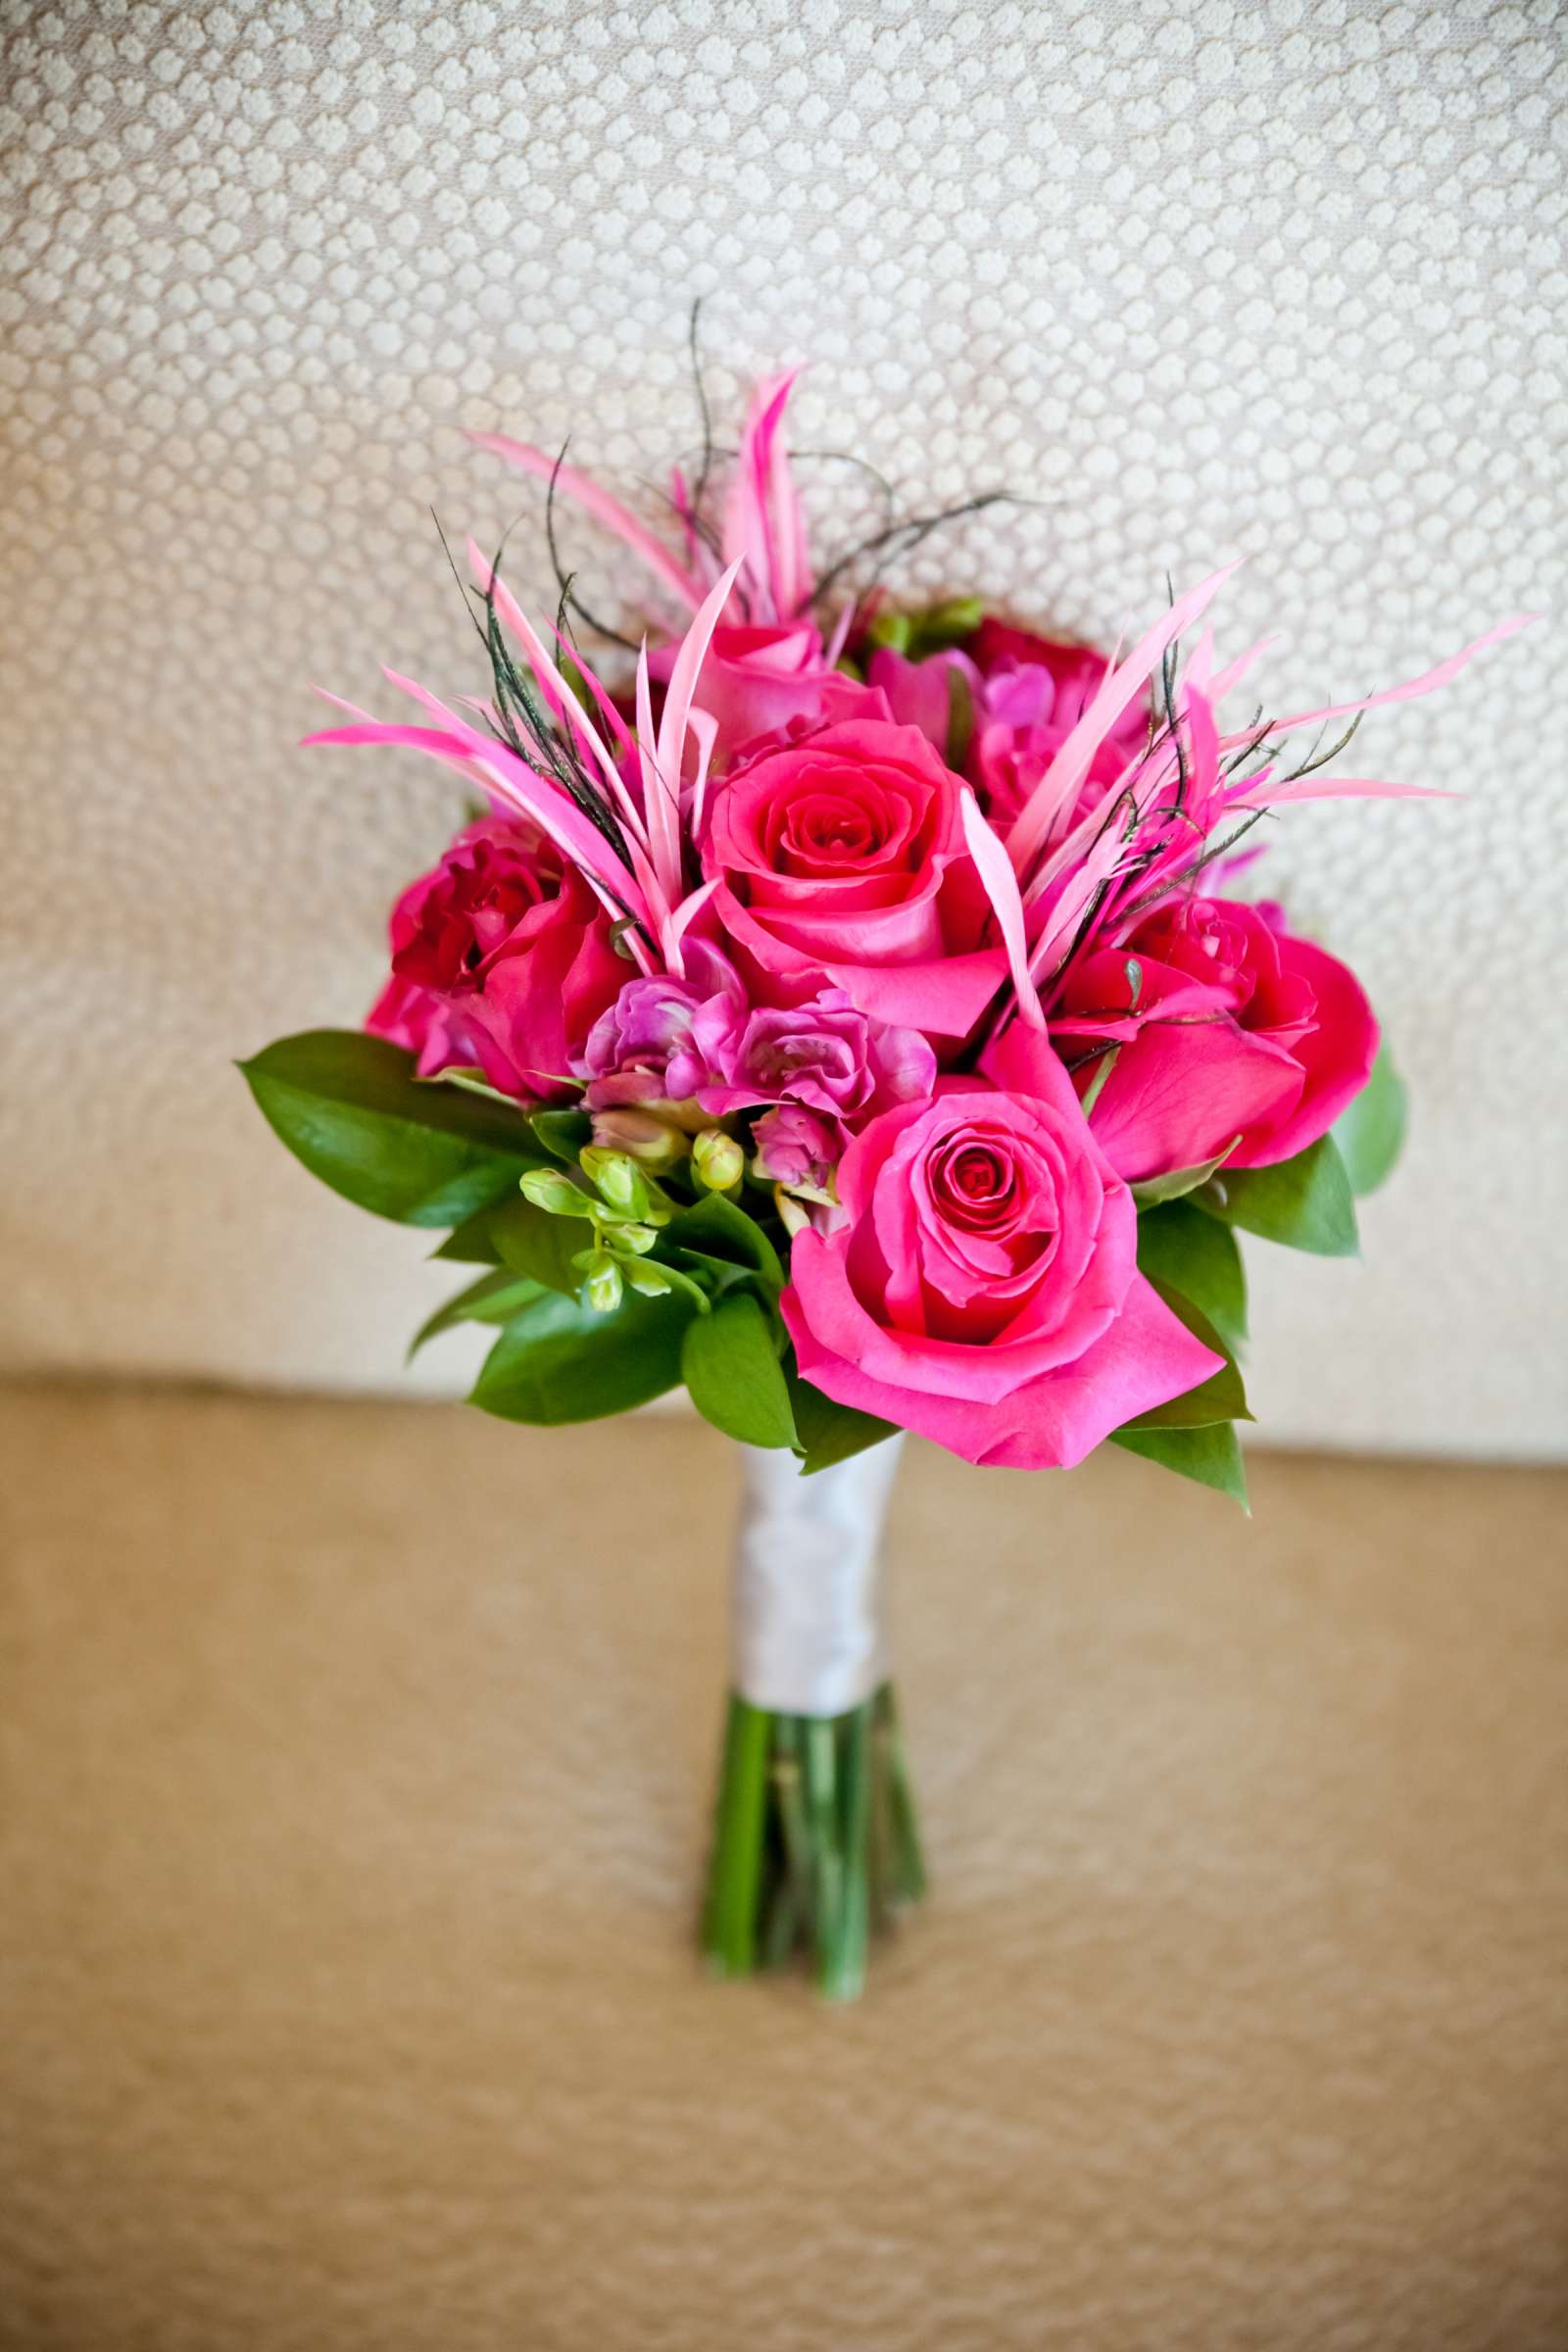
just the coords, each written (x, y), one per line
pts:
(976, 1183)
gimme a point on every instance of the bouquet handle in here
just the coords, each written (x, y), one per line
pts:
(815, 1842)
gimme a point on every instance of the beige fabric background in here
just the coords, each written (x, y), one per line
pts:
(356, 1795)
(1286, 279)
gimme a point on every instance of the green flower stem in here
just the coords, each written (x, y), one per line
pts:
(814, 1843)
(908, 1860)
(844, 1966)
(730, 1933)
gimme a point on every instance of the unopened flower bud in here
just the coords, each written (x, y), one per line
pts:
(652, 1281)
(552, 1189)
(637, 1238)
(893, 630)
(655, 1145)
(792, 1216)
(717, 1161)
(618, 1177)
(603, 1289)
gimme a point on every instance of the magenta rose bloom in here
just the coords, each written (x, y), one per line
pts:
(983, 1287)
(841, 857)
(501, 957)
(1032, 692)
(1027, 695)
(1226, 1025)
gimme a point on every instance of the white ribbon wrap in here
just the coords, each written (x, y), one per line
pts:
(807, 1631)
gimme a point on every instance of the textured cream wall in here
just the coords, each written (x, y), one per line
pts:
(1287, 279)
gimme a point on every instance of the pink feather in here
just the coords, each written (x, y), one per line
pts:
(1001, 884)
(1070, 765)
(600, 504)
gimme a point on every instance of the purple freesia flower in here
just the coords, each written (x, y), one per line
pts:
(823, 1055)
(643, 1050)
(797, 1149)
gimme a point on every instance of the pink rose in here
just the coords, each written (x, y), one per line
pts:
(501, 957)
(1026, 696)
(1226, 1024)
(919, 694)
(842, 858)
(983, 1287)
(1023, 715)
(1075, 670)
(1032, 692)
(762, 682)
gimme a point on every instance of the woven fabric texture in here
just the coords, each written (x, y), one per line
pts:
(356, 1793)
(1284, 280)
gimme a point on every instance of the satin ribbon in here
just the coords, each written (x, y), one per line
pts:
(805, 1630)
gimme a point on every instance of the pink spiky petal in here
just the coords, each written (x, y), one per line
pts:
(1067, 770)
(1287, 792)
(1001, 885)
(563, 704)
(506, 777)
(763, 529)
(670, 751)
(600, 505)
(1428, 684)
(678, 923)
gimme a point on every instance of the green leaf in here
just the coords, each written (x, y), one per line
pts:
(733, 1375)
(350, 1109)
(1219, 1397)
(960, 719)
(1370, 1131)
(830, 1433)
(1155, 1188)
(471, 1082)
(530, 1240)
(469, 1244)
(1303, 1202)
(562, 1133)
(493, 1298)
(1213, 1456)
(721, 1231)
(1193, 1253)
(558, 1362)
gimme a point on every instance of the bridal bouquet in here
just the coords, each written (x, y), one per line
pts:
(848, 1012)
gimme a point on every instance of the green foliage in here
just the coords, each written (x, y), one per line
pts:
(1155, 1188)
(469, 1244)
(717, 1232)
(1219, 1397)
(1303, 1202)
(960, 719)
(732, 1373)
(560, 1361)
(1370, 1131)
(1187, 1252)
(350, 1109)
(830, 1433)
(529, 1241)
(918, 635)
(1211, 1455)
(494, 1299)
(562, 1133)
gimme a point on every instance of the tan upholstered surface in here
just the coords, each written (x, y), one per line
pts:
(355, 1759)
